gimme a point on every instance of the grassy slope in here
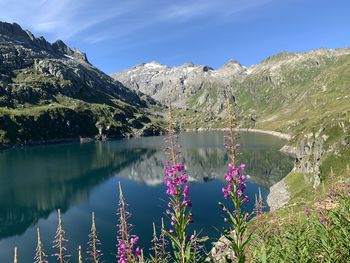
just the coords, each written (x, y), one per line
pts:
(298, 98)
(37, 109)
(318, 99)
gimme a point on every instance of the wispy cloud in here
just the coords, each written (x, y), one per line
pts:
(96, 21)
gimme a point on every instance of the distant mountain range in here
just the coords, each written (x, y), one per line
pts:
(183, 82)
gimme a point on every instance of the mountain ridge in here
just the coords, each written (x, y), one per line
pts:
(50, 92)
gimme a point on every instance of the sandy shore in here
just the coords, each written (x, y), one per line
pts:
(280, 135)
(283, 136)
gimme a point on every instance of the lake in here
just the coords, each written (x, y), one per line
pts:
(81, 178)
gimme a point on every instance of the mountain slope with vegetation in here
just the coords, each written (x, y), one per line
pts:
(306, 95)
(49, 92)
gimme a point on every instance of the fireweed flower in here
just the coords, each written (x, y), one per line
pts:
(127, 251)
(234, 190)
(59, 241)
(40, 256)
(179, 213)
(159, 253)
(93, 243)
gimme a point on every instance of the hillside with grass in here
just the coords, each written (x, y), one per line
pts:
(50, 92)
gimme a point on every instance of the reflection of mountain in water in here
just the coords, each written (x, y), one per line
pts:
(49, 181)
(264, 166)
(36, 181)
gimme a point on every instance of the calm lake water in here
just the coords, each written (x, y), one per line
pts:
(79, 179)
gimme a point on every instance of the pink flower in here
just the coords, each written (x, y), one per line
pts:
(187, 203)
(245, 199)
(134, 240)
(186, 191)
(224, 190)
(171, 190)
(228, 177)
(138, 252)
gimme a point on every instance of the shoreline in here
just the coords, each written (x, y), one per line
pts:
(283, 136)
(80, 140)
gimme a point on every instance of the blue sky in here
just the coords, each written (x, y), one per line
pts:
(117, 34)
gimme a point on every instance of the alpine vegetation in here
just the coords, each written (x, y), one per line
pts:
(183, 243)
(94, 243)
(40, 256)
(60, 240)
(235, 179)
(127, 243)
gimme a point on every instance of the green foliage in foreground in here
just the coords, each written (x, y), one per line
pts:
(322, 235)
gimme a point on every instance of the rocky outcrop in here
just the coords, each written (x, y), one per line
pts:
(308, 155)
(278, 196)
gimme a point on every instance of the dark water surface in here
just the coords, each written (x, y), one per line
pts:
(79, 179)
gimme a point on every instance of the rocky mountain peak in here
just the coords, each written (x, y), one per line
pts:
(15, 32)
(152, 65)
(232, 63)
(232, 67)
(188, 64)
(60, 47)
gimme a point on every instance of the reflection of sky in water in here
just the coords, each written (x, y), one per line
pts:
(34, 182)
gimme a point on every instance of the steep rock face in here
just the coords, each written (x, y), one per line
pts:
(308, 155)
(44, 81)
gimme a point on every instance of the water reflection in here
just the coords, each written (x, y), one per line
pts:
(36, 181)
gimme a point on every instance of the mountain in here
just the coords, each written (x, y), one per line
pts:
(181, 82)
(50, 92)
(305, 94)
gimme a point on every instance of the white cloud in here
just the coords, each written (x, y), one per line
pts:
(66, 19)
